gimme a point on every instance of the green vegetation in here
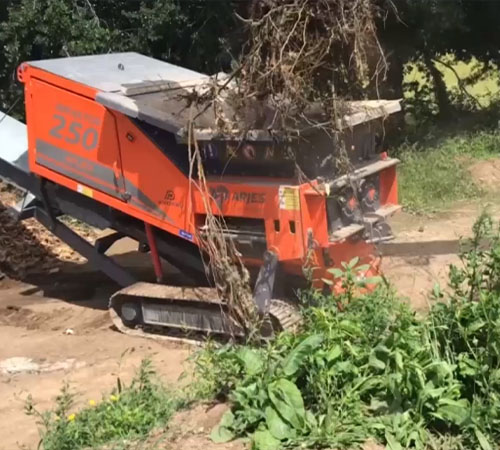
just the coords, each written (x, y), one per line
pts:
(433, 176)
(480, 84)
(437, 155)
(130, 412)
(373, 369)
(363, 367)
(196, 34)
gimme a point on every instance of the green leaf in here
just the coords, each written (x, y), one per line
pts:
(475, 326)
(251, 360)
(495, 376)
(436, 291)
(398, 358)
(287, 399)
(277, 426)
(468, 366)
(311, 420)
(363, 268)
(392, 443)
(454, 411)
(353, 262)
(222, 433)
(337, 273)
(483, 441)
(334, 353)
(378, 406)
(350, 327)
(292, 363)
(375, 362)
(264, 440)
(372, 280)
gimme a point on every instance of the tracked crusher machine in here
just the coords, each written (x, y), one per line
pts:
(106, 142)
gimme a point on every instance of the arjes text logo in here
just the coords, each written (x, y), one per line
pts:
(221, 195)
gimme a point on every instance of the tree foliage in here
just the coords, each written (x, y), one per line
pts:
(426, 31)
(196, 34)
(207, 35)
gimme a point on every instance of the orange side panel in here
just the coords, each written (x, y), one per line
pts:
(75, 142)
(152, 177)
(389, 186)
(314, 218)
(74, 137)
(277, 205)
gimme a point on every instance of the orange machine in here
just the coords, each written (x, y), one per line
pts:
(107, 144)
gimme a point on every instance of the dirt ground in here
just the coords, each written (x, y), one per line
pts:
(62, 333)
(414, 277)
(54, 341)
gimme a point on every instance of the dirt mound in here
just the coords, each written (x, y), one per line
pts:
(486, 173)
(44, 317)
(16, 316)
(201, 419)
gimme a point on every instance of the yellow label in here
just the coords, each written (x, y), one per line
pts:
(85, 191)
(289, 198)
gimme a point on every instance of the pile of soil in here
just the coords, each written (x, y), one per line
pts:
(486, 173)
(27, 247)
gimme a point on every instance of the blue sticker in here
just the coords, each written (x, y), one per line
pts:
(185, 235)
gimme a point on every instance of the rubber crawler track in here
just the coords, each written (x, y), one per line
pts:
(283, 314)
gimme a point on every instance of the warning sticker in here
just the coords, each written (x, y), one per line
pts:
(289, 198)
(85, 191)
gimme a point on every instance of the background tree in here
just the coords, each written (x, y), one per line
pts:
(195, 34)
(426, 31)
(47, 29)
(206, 35)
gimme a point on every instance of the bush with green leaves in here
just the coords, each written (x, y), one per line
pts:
(130, 412)
(373, 369)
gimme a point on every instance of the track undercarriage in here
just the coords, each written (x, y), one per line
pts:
(147, 309)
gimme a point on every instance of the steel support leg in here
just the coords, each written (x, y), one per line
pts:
(154, 252)
(104, 243)
(88, 251)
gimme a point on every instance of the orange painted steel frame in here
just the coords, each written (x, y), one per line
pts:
(78, 143)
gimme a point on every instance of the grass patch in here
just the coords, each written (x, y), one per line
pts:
(371, 369)
(129, 412)
(430, 178)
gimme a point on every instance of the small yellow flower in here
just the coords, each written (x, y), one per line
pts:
(113, 398)
(71, 417)
(92, 402)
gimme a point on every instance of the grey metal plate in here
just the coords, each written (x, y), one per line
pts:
(109, 72)
(13, 138)
(143, 88)
(185, 317)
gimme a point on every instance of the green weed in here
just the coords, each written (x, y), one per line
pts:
(430, 178)
(130, 412)
(373, 369)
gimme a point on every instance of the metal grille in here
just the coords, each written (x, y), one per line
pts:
(188, 317)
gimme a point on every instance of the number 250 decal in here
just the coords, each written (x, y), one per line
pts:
(89, 138)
